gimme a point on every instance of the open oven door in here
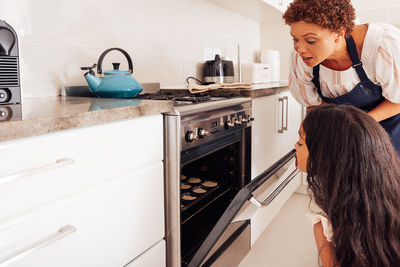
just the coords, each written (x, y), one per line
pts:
(229, 241)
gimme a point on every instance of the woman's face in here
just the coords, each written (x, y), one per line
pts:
(313, 43)
(301, 151)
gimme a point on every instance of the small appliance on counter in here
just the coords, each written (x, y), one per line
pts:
(256, 73)
(218, 71)
(115, 83)
(10, 112)
(10, 90)
(271, 57)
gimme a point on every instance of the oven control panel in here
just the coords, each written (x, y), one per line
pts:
(238, 121)
(197, 132)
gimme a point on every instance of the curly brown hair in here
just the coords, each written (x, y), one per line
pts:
(334, 15)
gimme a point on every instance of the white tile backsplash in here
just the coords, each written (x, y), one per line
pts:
(164, 38)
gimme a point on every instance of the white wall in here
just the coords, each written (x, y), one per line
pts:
(165, 38)
(378, 11)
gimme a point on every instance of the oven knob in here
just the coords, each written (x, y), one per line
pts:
(203, 133)
(238, 122)
(249, 119)
(191, 136)
(229, 124)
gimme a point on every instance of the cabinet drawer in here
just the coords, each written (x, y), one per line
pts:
(154, 257)
(40, 169)
(113, 223)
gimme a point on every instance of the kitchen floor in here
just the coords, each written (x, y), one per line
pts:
(288, 241)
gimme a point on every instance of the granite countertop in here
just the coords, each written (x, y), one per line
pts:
(42, 115)
(257, 90)
(49, 114)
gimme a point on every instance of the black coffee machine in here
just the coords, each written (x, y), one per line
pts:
(218, 71)
(10, 88)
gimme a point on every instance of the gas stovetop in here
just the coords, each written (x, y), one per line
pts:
(183, 99)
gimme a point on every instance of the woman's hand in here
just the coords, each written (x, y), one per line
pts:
(385, 110)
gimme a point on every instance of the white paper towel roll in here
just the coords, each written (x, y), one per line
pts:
(272, 58)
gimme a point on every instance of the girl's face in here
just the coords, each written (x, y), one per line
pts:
(313, 43)
(301, 151)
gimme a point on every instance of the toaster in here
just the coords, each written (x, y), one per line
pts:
(10, 90)
(218, 71)
(256, 73)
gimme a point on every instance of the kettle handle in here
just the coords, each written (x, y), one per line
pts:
(100, 61)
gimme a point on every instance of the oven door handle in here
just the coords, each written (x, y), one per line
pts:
(276, 192)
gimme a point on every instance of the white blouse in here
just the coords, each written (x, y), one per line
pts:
(381, 61)
(314, 218)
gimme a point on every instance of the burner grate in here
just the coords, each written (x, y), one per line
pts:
(184, 99)
(193, 99)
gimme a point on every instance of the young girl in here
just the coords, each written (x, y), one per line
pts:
(354, 177)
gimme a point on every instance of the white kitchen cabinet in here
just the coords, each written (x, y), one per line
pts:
(44, 168)
(274, 132)
(292, 117)
(264, 136)
(114, 222)
(154, 257)
(105, 207)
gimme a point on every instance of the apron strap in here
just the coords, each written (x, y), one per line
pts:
(315, 81)
(357, 65)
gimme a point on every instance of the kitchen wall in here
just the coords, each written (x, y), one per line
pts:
(164, 38)
(274, 34)
(378, 11)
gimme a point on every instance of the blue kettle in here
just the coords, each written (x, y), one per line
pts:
(115, 83)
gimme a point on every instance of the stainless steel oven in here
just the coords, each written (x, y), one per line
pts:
(207, 162)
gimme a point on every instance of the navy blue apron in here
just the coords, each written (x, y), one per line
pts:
(365, 95)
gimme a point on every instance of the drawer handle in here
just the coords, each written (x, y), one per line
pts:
(59, 163)
(61, 233)
(276, 192)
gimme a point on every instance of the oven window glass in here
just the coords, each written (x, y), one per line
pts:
(208, 184)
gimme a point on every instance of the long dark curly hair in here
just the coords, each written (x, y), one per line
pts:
(331, 14)
(354, 177)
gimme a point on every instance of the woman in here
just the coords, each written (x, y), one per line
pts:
(338, 62)
(354, 177)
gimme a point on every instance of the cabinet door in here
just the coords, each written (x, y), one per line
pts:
(264, 142)
(274, 131)
(290, 115)
(154, 257)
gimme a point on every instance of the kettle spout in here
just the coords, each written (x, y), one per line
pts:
(92, 81)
